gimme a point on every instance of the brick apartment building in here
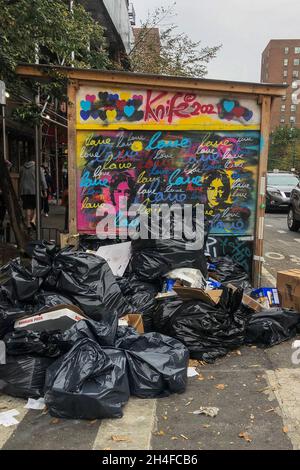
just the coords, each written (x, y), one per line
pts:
(280, 63)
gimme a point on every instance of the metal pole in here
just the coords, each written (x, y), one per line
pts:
(4, 133)
(38, 176)
(56, 165)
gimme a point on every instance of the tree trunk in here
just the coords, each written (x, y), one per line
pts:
(13, 207)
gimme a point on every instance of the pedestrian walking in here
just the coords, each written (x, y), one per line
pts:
(27, 190)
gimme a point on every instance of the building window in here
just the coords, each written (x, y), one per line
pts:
(293, 108)
(295, 74)
(292, 119)
(283, 107)
(285, 62)
(285, 73)
(294, 85)
(283, 97)
(286, 50)
(297, 50)
(296, 61)
(282, 120)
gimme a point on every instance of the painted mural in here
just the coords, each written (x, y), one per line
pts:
(216, 168)
(136, 109)
(240, 249)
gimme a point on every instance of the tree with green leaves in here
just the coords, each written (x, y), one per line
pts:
(284, 149)
(174, 54)
(47, 32)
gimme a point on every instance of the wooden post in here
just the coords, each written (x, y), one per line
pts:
(261, 190)
(72, 89)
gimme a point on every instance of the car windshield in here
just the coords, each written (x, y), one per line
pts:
(282, 180)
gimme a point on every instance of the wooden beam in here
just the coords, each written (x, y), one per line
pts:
(72, 177)
(130, 79)
(261, 190)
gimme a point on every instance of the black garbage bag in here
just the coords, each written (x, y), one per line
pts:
(88, 279)
(18, 282)
(102, 332)
(270, 327)
(141, 296)
(87, 383)
(157, 364)
(26, 342)
(42, 258)
(228, 271)
(10, 312)
(208, 331)
(152, 259)
(45, 300)
(24, 376)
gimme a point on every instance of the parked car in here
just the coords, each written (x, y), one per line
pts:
(279, 188)
(293, 218)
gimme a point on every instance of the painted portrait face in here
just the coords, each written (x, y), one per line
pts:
(122, 190)
(215, 192)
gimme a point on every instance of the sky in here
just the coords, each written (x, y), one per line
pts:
(243, 28)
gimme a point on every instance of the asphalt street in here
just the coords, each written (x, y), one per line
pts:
(281, 246)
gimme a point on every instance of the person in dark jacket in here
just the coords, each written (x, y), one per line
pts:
(27, 191)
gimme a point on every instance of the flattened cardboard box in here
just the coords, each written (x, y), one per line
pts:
(288, 285)
(135, 320)
(210, 296)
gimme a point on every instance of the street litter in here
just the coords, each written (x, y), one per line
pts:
(245, 436)
(134, 328)
(211, 411)
(7, 418)
(33, 404)
(191, 372)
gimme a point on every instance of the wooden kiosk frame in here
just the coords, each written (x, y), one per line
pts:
(258, 93)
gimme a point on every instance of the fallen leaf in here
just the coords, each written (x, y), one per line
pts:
(174, 438)
(165, 417)
(246, 436)
(184, 437)
(120, 438)
(206, 425)
(54, 421)
(200, 377)
(159, 433)
(238, 352)
(193, 363)
(285, 429)
(220, 386)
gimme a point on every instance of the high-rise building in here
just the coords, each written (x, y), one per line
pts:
(280, 63)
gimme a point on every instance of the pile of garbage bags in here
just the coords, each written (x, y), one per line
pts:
(90, 370)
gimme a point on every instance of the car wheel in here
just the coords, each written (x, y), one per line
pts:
(292, 224)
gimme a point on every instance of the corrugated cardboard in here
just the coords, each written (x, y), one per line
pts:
(209, 296)
(136, 321)
(247, 300)
(288, 285)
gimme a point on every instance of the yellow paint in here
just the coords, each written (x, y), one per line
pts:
(111, 114)
(137, 146)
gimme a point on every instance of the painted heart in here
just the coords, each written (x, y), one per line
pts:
(248, 115)
(111, 115)
(238, 111)
(130, 102)
(84, 115)
(103, 96)
(85, 105)
(95, 114)
(124, 96)
(129, 110)
(138, 97)
(121, 104)
(90, 98)
(112, 97)
(228, 105)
